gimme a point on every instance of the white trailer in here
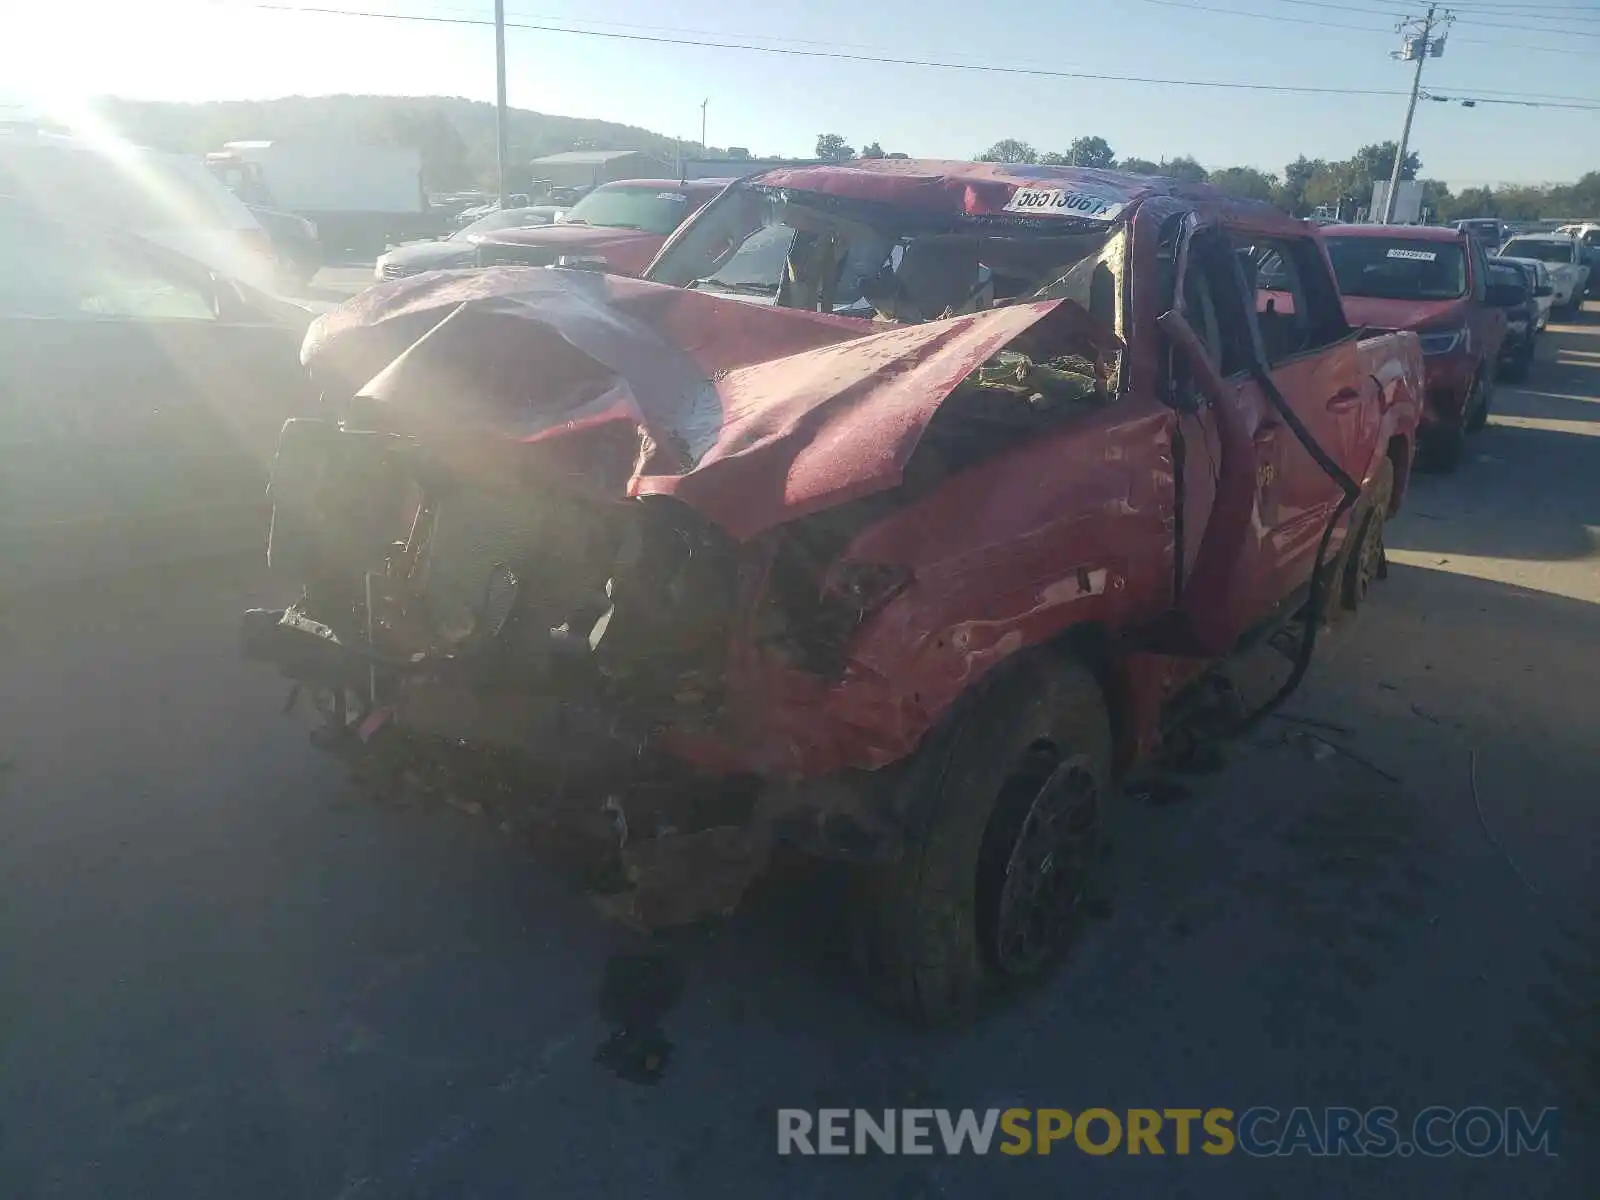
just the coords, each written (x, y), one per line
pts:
(360, 195)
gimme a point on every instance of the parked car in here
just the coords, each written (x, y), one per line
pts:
(617, 227)
(1433, 281)
(1491, 231)
(683, 576)
(295, 246)
(1510, 290)
(169, 199)
(478, 212)
(141, 395)
(460, 249)
(1538, 279)
(1587, 233)
(1563, 255)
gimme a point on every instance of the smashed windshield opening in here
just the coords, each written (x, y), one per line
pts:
(882, 261)
(1402, 269)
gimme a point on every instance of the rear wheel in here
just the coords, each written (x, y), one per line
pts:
(1007, 808)
(1476, 414)
(1367, 563)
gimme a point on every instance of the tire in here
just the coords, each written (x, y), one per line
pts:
(1019, 771)
(1479, 401)
(1366, 562)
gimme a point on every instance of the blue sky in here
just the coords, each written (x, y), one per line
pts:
(226, 49)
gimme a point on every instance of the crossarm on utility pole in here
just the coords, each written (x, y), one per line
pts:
(1393, 195)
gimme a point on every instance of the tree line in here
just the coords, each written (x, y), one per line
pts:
(1341, 186)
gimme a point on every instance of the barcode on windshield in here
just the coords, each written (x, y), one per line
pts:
(1414, 255)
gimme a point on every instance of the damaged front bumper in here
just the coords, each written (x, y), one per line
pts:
(654, 842)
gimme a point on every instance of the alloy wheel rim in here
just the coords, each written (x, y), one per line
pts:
(1047, 869)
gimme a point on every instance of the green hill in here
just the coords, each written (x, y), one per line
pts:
(456, 136)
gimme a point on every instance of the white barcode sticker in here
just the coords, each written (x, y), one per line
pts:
(1414, 255)
(1055, 202)
(677, 197)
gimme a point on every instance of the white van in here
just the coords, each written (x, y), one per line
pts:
(168, 198)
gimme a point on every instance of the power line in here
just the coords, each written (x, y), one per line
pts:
(1555, 12)
(1469, 17)
(839, 55)
(1261, 16)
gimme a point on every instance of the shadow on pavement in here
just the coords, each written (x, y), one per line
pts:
(1521, 493)
(246, 979)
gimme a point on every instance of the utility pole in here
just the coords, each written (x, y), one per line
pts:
(500, 101)
(703, 103)
(1419, 46)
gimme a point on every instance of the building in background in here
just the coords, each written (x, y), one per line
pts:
(590, 168)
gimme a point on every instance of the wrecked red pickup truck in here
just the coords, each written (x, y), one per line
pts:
(894, 528)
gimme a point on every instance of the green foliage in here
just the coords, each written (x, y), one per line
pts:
(1091, 152)
(1247, 183)
(831, 147)
(1009, 150)
(1183, 168)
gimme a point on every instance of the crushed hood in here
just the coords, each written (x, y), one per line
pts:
(753, 416)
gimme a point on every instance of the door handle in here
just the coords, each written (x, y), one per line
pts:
(1345, 397)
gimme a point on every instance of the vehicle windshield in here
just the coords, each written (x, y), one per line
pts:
(650, 209)
(882, 261)
(512, 218)
(1544, 251)
(1399, 268)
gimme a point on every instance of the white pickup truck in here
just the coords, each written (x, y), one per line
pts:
(1587, 233)
(1564, 255)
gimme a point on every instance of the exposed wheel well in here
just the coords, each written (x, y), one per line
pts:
(1091, 643)
(1400, 454)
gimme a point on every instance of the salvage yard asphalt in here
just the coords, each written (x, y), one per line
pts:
(224, 973)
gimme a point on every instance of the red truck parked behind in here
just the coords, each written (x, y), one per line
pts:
(1434, 281)
(618, 227)
(895, 528)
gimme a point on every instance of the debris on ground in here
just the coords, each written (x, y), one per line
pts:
(1314, 722)
(1320, 749)
(1477, 803)
(1160, 792)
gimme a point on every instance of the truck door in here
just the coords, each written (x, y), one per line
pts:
(1225, 586)
(1315, 361)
